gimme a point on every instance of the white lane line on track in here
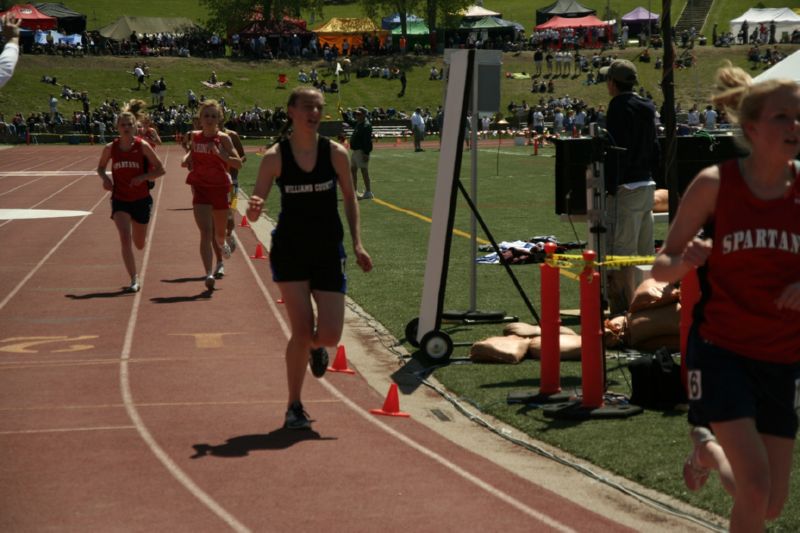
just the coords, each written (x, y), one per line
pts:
(507, 498)
(44, 259)
(21, 186)
(33, 214)
(65, 430)
(45, 173)
(130, 406)
(43, 200)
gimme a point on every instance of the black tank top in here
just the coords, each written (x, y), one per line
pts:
(309, 204)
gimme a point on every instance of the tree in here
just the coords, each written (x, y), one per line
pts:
(402, 7)
(446, 10)
(230, 15)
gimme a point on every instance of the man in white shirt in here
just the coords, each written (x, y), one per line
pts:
(418, 129)
(710, 118)
(138, 73)
(693, 117)
(10, 55)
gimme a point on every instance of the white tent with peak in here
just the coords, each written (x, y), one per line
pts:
(788, 67)
(786, 20)
(476, 11)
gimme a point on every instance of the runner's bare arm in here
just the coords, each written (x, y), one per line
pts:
(101, 167)
(155, 168)
(228, 153)
(682, 249)
(341, 163)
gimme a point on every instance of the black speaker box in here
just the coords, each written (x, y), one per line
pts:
(574, 155)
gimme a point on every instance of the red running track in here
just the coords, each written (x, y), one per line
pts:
(163, 410)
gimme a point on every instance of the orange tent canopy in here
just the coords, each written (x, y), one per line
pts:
(589, 21)
(336, 30)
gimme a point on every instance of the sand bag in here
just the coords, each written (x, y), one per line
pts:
(661, 201)
(656, 322)
(670, 342)
(652, 293)
(507, 349)
(524, 329)
(569, 347)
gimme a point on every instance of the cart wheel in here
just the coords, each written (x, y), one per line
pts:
(436, 345)
(411, 332)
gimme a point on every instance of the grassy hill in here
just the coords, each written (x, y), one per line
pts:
(110, 77)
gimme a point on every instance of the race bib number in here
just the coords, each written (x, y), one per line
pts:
(696, 385)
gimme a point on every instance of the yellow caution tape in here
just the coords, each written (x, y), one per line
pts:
(612, 261)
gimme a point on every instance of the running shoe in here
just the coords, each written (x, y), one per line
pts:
(695, 475)
(296, 417)
(367, 195)
(226, 250)
(210, 281)
(232, 242)
(133, 287)
(319, 361)
(219, 272)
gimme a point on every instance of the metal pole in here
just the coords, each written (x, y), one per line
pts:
(473, 226)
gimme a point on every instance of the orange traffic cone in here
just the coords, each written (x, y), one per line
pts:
(340, 362)
(391, 407)
(259, 252)
(244, 223)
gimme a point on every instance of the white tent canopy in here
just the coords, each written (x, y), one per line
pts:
(785, 20)
(475, 11)
(789, 68)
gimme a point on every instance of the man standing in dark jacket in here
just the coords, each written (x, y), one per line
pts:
(361, 146)
(630, 172)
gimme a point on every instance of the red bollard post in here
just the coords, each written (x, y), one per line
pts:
(591, 334)
(690, 294)
(535, 145)
(550, 380)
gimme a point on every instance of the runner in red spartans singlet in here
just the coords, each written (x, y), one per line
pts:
(756, 251)
(208, 168)
(124, 167)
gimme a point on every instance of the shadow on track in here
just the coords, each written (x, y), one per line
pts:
(205, 295)
(183, 280)
(241, 446)
(88, 296)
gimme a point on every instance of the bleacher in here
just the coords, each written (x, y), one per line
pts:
(384, 129)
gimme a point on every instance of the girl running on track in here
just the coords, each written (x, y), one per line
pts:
(234, 193)
(144, 126)
(133, 165)
(307, 254)
(210, 156)
(744, 347)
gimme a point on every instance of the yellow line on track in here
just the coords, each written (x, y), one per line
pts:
(426, 219)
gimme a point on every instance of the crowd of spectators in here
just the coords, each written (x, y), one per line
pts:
(556, 54)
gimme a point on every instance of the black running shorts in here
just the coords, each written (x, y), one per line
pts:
(139, 210)
(725, 386)
(322, 266)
